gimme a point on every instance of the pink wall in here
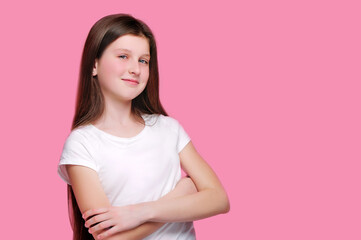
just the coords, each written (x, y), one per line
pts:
(269, 92)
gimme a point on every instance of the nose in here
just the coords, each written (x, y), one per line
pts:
(133, 67)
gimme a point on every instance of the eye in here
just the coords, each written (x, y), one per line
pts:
(144, 61)
(123, 56)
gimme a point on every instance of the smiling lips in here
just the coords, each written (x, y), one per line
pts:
(132, 81)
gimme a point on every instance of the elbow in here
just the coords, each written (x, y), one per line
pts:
(223, 202)
(226, 206)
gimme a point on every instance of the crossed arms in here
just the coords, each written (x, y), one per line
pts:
(199, 197)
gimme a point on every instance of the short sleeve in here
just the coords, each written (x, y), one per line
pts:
(183, 137)
(75, 152)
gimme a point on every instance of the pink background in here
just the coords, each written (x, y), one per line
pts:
(269, 92)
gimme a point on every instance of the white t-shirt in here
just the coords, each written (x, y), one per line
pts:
(132, 170)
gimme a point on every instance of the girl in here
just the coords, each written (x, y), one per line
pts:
(122, 160)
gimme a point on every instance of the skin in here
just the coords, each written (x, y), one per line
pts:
(111, 68)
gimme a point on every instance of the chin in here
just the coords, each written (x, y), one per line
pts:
(129, 97)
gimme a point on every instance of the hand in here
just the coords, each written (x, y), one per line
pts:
(114, 218)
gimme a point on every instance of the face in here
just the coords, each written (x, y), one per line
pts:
(123, 68)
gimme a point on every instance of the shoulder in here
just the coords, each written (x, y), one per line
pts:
(78, 136)
(169, 122)
(168, 119)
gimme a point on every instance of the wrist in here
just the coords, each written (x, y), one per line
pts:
(147, 211)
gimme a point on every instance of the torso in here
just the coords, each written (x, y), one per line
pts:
(132, 170)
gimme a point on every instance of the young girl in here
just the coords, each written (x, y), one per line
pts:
(122, 160)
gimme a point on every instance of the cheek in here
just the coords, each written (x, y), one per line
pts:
(109, 75)
(112, 68)
(146, 74)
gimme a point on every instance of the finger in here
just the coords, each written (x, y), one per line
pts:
(96, 219)
(92, 212)
(101, 226)
(109, 232)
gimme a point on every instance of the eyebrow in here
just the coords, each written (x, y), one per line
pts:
(127, 50)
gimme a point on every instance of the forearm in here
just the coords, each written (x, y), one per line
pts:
(184, 186)
(137, 233)
(211, 198)
(203, 204)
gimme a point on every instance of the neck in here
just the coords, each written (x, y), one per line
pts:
(117, 114)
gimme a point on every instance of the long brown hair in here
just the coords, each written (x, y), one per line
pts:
(90, 100)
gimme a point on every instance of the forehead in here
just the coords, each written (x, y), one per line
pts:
(134, 44)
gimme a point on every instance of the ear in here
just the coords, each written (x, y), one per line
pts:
(95, 68)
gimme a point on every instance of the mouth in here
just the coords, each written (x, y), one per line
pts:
(131, 80)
